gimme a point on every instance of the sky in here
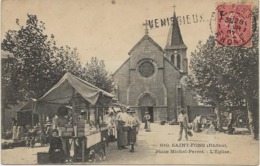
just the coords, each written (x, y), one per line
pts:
(109, 29)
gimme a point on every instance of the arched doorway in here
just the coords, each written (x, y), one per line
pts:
(146, 103)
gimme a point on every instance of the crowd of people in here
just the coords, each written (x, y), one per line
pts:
(123, 126)
(201, 123)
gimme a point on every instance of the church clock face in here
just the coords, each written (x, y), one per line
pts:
(146, 69)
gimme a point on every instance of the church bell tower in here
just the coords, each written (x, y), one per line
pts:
(175, 49)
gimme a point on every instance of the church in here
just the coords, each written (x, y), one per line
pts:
(153, 79)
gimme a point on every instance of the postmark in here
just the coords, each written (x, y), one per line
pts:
(234, 25)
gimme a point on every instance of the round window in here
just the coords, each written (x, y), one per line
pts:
(146, 69)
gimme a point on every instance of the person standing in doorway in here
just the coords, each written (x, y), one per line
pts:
(183, 122)
(147, 118)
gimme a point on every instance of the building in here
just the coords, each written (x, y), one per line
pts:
(153, 79)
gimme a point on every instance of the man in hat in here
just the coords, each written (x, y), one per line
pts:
(183, 122)
(147, 118)
(133, 123)
(121, 119)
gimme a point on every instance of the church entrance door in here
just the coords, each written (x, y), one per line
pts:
(146, 103)
(147, 109)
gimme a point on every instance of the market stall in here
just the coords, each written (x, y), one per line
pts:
(88, 103)
(27, 115)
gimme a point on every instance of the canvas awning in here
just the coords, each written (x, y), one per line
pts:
(26, 115)
(28, 106)
(64, 90)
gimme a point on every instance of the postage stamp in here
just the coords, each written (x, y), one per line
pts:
(234, 25)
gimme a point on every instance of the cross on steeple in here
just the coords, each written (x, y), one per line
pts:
(174, 8)
(146, 25)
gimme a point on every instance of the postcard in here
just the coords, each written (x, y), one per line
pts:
(130, 82)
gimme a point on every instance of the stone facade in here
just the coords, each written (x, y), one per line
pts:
(150, 79)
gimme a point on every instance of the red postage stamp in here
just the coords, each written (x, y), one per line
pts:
(234, 25)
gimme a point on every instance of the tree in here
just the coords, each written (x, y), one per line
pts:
(8, 86)
(38, 63)
(207, 68)
(227, 75)
(96, 74)
(66, 60)
(33, 51)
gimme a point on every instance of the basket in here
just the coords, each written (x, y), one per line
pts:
(189, 133)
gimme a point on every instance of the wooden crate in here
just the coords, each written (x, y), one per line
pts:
(81, 129)
(67, 134)
(70, 129)
(81, 134)
(43, 158)
(80, 125)
(68, 126)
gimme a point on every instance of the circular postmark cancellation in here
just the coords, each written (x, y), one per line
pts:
(234, 25)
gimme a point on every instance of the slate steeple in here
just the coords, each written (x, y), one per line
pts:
(174, 40)
(175, 49)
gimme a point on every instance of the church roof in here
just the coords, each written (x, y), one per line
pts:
(172, 64)
(121, 66)
(145, 37)
(180, 71)
(174, 40)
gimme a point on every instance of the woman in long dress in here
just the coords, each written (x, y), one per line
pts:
(197, 124)
(147, 118)
(110, 121)
(14, 129)
(121, 118)
(56, 152)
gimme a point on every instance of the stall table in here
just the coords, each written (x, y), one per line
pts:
(89, 141)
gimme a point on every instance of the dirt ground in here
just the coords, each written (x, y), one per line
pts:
(160, 146)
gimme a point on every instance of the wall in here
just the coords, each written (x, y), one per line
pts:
(192, 111)
(153, 84)
(121, 78)
(184, 60)
(171, 76)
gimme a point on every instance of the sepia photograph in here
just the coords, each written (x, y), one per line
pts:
(130, 82)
